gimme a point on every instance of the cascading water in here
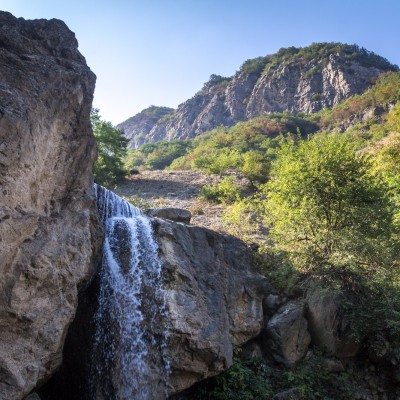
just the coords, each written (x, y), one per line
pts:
(130, 339)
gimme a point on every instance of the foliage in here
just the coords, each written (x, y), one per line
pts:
(226, 191)
(215, 80)
(157, 155)
(217, 161)
(239, 220)
(326, 207)
(253, 379)
(254, 66)
(387, 163)
(255, 167)
(111, 149)
(322, 51)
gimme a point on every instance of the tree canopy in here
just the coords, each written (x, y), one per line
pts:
(111, 149)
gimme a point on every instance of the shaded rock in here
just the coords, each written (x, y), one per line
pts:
(250, 350)
(332, 365)
(173, 214)
(48, 230)
(213, 296)
(286, 336)
(272, 302)
(327, 327)
(291, 394)
(32, 396)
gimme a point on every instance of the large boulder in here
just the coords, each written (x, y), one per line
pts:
(328, 328)
(48, 230)
(286, 336)
(214, 297)
(173, 214)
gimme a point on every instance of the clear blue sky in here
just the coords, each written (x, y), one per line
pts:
(161, 52)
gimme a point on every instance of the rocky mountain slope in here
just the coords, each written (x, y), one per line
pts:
(140, 125)
(294, 79)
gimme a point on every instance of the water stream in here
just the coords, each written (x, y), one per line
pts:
(130, 339)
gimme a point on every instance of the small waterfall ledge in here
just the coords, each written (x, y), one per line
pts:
(129, 355)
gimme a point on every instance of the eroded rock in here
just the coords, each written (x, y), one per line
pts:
(48, 230)
(213, 296)
(173, 214)
(286, 336)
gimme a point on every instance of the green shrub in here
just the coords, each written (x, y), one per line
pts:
(253, 379)
(217, 161)
(226, 191)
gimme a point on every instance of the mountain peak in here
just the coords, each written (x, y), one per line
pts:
(304, 79)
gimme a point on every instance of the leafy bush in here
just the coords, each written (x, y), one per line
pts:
(226, 191)
(254, 66)
(253, 379)
(217, 161)
(256, 167)
(157, 155)
(325, 206)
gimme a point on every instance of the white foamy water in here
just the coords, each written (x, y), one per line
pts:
(131, 334)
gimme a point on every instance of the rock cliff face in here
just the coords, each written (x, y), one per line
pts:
(47, 227)
(296, 80)
(215, 300)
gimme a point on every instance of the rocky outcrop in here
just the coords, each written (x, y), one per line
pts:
(286, 335)
(173, 214)
(47, 226)
(140, 125)
(295, 80)
(215, 300)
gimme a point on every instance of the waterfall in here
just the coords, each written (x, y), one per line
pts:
(130, 333)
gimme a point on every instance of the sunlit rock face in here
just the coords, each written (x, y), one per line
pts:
(48, 230)
(294, 85)
(213, 296)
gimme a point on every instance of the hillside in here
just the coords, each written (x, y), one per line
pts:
(140, 125)
(294, 79)
(367, 117)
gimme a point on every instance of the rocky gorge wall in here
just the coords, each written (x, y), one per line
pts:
(48, 229)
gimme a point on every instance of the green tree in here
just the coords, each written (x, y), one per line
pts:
(111, 149)
(327, 208)
(255, 167)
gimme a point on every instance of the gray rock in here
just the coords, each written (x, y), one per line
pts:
(48, 233)
(327, 328)
(291, 394)
(213, 296)
(286, 336)
(250, 350)
(173, 214)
